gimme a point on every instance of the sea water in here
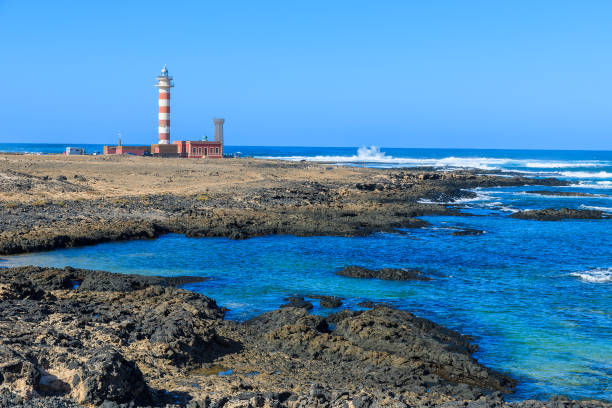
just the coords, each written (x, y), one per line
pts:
(537, 296)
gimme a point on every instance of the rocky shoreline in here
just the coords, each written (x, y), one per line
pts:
(123, 340)
(310, 200)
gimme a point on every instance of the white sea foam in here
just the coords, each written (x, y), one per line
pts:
(586, 174)
(598, 275)
(605, 184)
(560, 197)
(565, 164)
(594, 207)
(480, 196)
(374, 156)
(508, 209)
(533, 173)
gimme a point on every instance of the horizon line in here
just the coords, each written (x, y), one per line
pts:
(340, 147)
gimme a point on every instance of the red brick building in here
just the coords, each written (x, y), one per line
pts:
(135, 150)
(197, 149)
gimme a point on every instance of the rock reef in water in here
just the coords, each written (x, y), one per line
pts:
(552, 214)
(467, 232)
(384, 273)
(327, 302)
(297, 301)
(561, 193)
(368, 304)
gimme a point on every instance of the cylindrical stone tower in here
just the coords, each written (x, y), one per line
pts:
(164, 83)
(219, 130)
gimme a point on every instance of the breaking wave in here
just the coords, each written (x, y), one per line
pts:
(565, 165)
(605, 184)
(374, 156)
(594, 207)
(480, 196)
(598, 275)
(586, 174)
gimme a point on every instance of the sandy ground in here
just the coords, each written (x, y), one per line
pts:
(112, 176)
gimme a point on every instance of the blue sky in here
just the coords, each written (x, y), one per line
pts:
(473, 74)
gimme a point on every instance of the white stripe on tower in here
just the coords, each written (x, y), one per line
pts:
(164, 117)
(164, 83)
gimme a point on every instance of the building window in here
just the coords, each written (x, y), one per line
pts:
(216, 150)
(194, 150)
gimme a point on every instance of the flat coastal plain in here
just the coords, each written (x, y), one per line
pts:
(75, 337)
(51, 201)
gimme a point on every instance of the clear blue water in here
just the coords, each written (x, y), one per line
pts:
(536, 295)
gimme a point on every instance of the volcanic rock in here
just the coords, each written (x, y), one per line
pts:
(327, 302)
(297, 301)
(368, 304)
(384, 273)
(561, 193)
(467, 231)
(552, 214)
(107, 375)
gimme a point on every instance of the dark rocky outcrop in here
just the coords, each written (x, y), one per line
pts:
(89, 280)
(19, 291)
(438, 350)
(368, 304)
(384, 273)
(467, 232)
(297, 301)
(327, 302)
(83, 343)
(561, 193)
(552, 214)
(401, 352)
(107, 375)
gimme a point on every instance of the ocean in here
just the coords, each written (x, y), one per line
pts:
(536, 296)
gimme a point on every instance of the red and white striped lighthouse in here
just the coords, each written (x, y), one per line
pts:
(164, 83)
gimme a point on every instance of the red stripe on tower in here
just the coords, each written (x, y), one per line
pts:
(164, 83)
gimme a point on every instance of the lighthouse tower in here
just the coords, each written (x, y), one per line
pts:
(164, 83)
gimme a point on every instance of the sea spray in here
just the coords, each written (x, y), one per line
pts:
(598, 275)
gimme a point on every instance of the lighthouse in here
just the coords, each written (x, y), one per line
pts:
(196, 149)
(164, 83)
